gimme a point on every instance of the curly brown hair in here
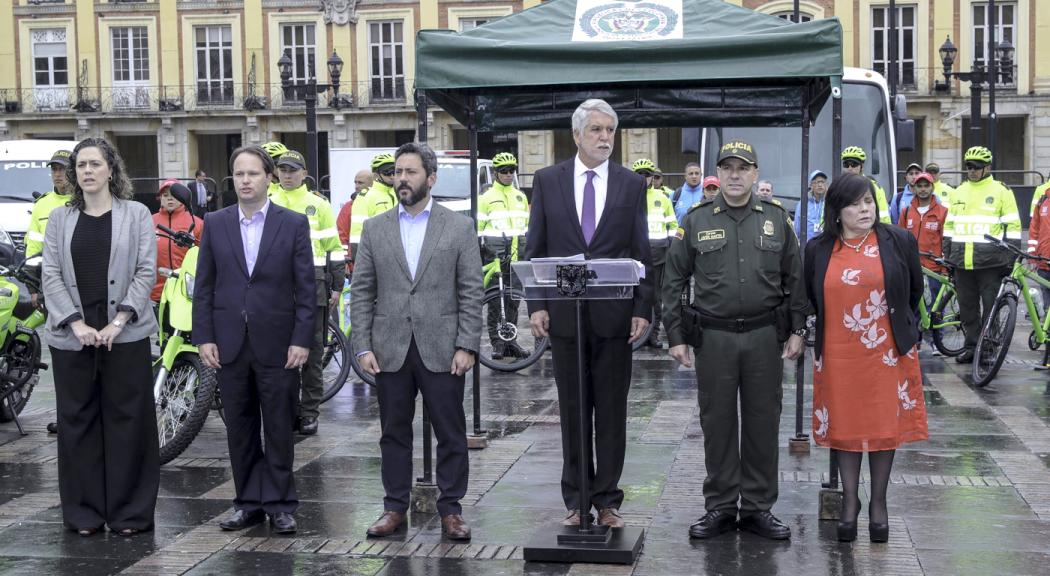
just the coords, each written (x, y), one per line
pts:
(119, 183)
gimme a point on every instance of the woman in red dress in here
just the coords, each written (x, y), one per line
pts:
(864, 281)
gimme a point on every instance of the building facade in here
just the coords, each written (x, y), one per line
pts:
(177, 84)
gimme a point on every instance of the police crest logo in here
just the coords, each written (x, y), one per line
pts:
(311, 210)
(768, 228)
(989, 200)
(604, 21)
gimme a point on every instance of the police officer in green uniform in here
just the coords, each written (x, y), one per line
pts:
(749, 299)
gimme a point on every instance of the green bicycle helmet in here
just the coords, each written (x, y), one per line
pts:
(643, 164)
(381, 160)
(978, 154)
(504, 159)
(275, 149)
(854, 153)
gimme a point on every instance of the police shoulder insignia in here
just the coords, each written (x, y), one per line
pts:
(767, 228)
(656, 203)
(776, 202)
(716, 234)
(311, 210)
(679, 234)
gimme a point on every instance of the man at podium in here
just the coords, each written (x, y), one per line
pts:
(590, 206)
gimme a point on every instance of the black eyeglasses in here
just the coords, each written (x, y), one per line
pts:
(657, 177)
(387, 172)
(972, 166)
(850, 164)
(505, 171)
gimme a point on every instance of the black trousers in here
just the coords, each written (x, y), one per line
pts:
(312, 388)
(740, 467)
(443, 398)
(260, 399)
(607, 379)
(108, 454)
(976, 292)
(510, 305)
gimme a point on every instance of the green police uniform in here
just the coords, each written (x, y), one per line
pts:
(327, 251)
(745, 264)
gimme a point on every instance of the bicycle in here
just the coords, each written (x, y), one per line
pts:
(941, 316)
(998, 330)
(510, 345)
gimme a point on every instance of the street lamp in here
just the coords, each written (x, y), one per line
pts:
(1000, 68)
(310, 87)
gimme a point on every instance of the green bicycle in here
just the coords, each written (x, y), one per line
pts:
(941, 316)
(509, 345)
(998, 329)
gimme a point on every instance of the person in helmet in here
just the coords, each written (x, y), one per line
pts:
(658, 183)
(853, 159)
(329, 262)
(980, 205)
(503, 220)
(377, 199)
(662, 226)
(275, 150)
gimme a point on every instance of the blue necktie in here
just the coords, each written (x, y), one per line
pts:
(587, 216)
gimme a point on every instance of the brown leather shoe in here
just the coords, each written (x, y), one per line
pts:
(387, 524)
(610, 517)
(454, 527)
(573, 519)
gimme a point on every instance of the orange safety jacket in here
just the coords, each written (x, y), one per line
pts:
(927, 228)
(1039, 230)
(170, 254)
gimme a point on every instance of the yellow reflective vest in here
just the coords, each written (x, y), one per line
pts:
(503, 212)
(38, 220)
(659, 211)
(880, 201)
(368, 204)
(324, 237)
(978, 208)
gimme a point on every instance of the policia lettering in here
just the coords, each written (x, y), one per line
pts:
(744, 261)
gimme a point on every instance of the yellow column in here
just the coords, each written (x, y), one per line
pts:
(1041, 14)
(8, 35)
(844, 12)
(254, 32)
(169, 42)
(86, 34)
(428, 14)
(735, 2)
(526, 4)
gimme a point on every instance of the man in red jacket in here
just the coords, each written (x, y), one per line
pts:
(924, 218)
(1039, 235)
(173, 215)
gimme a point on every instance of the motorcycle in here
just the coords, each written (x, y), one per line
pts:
(183, 387)
(20, 346)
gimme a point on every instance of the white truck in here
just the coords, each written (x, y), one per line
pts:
(23, 171)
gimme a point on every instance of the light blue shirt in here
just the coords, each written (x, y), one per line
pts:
(251, 234)
(413, 232)
(814, 216)
(686, 199)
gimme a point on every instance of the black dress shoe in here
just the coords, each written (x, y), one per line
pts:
(283, 523)
(52, 427)
(766, 525)
(308, 426)
(847, 531)
(241, 520)
(713, 523)
(879, 532)
(966, 357)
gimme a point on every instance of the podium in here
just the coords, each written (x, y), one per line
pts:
(581, 280)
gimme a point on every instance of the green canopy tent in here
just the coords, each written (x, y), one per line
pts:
(658, 63)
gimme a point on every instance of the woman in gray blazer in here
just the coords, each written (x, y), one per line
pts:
(99, 266)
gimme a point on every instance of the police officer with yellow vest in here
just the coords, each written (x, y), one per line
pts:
(748, 315)
(379, 198)
(503, 220)
(662, 227)
(329, 269)
(980, 205)
(853, 159)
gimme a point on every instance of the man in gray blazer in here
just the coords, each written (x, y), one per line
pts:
(416, 313)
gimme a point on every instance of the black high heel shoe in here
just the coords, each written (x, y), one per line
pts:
(847, 531)
(879, 532)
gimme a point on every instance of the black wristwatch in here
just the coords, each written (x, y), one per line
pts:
(800, 332)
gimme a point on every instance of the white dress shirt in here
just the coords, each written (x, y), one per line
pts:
(601, 186)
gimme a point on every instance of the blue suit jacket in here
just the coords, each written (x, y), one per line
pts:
(274, 307)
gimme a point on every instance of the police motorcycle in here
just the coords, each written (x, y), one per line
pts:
(20, 346)
(184, 388)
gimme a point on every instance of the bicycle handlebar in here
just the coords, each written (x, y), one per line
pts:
(182, 238)
(1007, 246)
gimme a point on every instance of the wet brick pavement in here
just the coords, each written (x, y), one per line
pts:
(974, 499)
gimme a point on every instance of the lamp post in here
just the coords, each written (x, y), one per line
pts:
(310, 87)
(1000, 68)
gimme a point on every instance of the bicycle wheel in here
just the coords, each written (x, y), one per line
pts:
(183, 404)
(19, 367)
(334, 365)
(352, 356)
(507, 345)
(994, 341)
(950, 339)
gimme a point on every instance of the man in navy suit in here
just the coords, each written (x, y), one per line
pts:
(593, 207)
(253, 317)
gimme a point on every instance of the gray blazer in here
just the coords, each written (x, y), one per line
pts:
(441, 308)
(132, 272)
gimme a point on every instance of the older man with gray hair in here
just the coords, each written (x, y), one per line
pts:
(588, 205)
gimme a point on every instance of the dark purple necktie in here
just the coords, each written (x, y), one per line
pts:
(587, 215)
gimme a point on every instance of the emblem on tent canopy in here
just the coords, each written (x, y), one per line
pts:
(604, 21)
